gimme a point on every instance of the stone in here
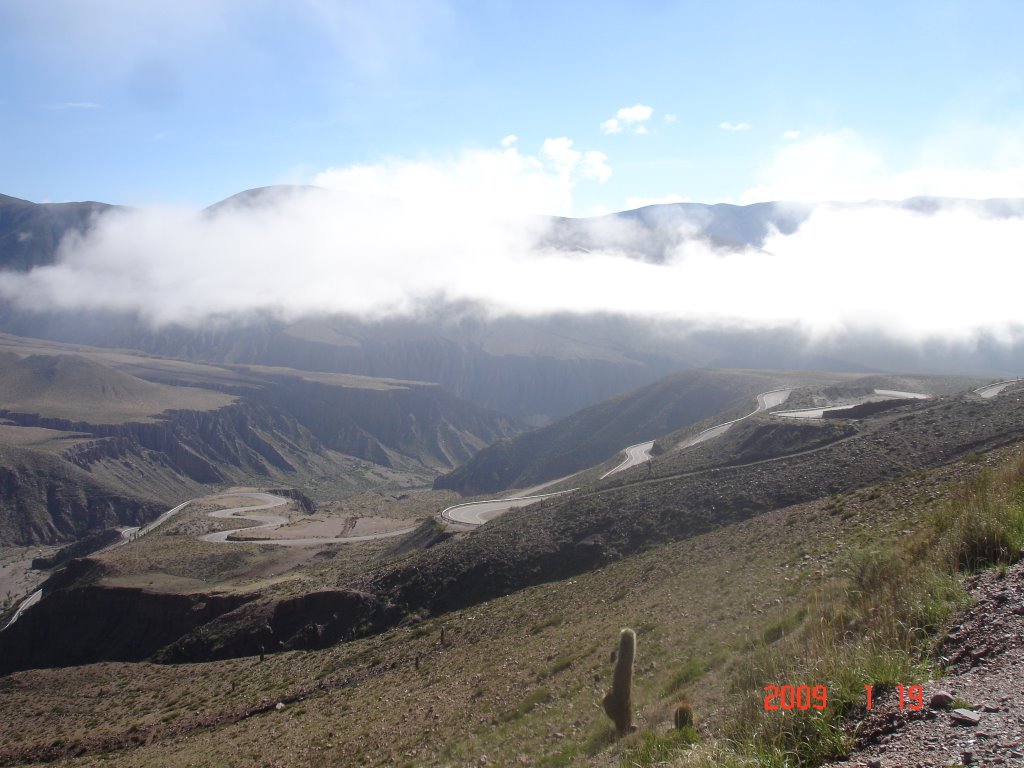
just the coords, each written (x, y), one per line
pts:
(965, 716)
(941, 700)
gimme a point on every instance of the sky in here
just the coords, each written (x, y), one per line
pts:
(435, 131)
(190, 101)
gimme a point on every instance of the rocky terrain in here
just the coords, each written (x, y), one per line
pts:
(983, 664)
(763, 465)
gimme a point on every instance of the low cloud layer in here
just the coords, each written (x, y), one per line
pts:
(381, 240)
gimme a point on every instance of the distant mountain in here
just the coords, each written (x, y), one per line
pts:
(90, 439)
(30, 233)
(651, 233)
(536, 370)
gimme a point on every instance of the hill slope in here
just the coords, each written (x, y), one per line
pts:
(597, 433)
(89, 425)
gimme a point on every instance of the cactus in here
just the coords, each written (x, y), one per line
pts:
(618, 702)
(684, 714)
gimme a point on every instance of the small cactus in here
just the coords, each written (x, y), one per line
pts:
(618, 702)
(683, 716)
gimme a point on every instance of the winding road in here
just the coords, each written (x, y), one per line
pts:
(635, 454)
(991, 390)
(474, 513)
(880, 395)
(270, 522)
(765, 401)
(27, 603)
(479, 512)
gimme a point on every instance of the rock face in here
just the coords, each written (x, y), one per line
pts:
(44, 500)
(83, 623)
(313, 620)
(79, 622)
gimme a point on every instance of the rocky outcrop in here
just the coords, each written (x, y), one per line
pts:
(46, 500)
(85, 624)
(84, 546)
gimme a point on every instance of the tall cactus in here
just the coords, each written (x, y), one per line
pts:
(618, 702)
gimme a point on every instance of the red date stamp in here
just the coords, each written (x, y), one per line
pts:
(789, 697)
(911, 696)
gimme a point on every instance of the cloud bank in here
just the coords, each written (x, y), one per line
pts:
(843, 165)
(387, 239)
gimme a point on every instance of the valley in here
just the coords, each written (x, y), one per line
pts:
(414, 541)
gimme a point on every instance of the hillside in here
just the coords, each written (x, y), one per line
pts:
(149, 432)
(595, 434)
(73, 387)
(30, 233)
(516, 680)
(761, 466)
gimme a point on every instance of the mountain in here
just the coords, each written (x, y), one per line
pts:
(762, 465)
(91, 438)
(652, 232)
(536, 370)
(30, 233)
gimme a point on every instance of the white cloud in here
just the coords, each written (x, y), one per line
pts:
(595, 166)
(561, 154)
(388, 238)
(510, 140)
(638, 113)
(791, 135)
(735, 126)
(75, 105)
(565, 160)
(629, 119)
(843, 166)
(671, 119)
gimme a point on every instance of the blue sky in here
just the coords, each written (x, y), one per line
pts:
(191, 101)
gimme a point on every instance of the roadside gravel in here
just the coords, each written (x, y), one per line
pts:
(984, 661)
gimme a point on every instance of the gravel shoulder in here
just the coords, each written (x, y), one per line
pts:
(983, 656)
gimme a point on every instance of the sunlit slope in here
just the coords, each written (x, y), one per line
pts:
(72, 387)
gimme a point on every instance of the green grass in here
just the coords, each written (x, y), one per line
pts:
(655, 747)
(691, 671)
(877, 625)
